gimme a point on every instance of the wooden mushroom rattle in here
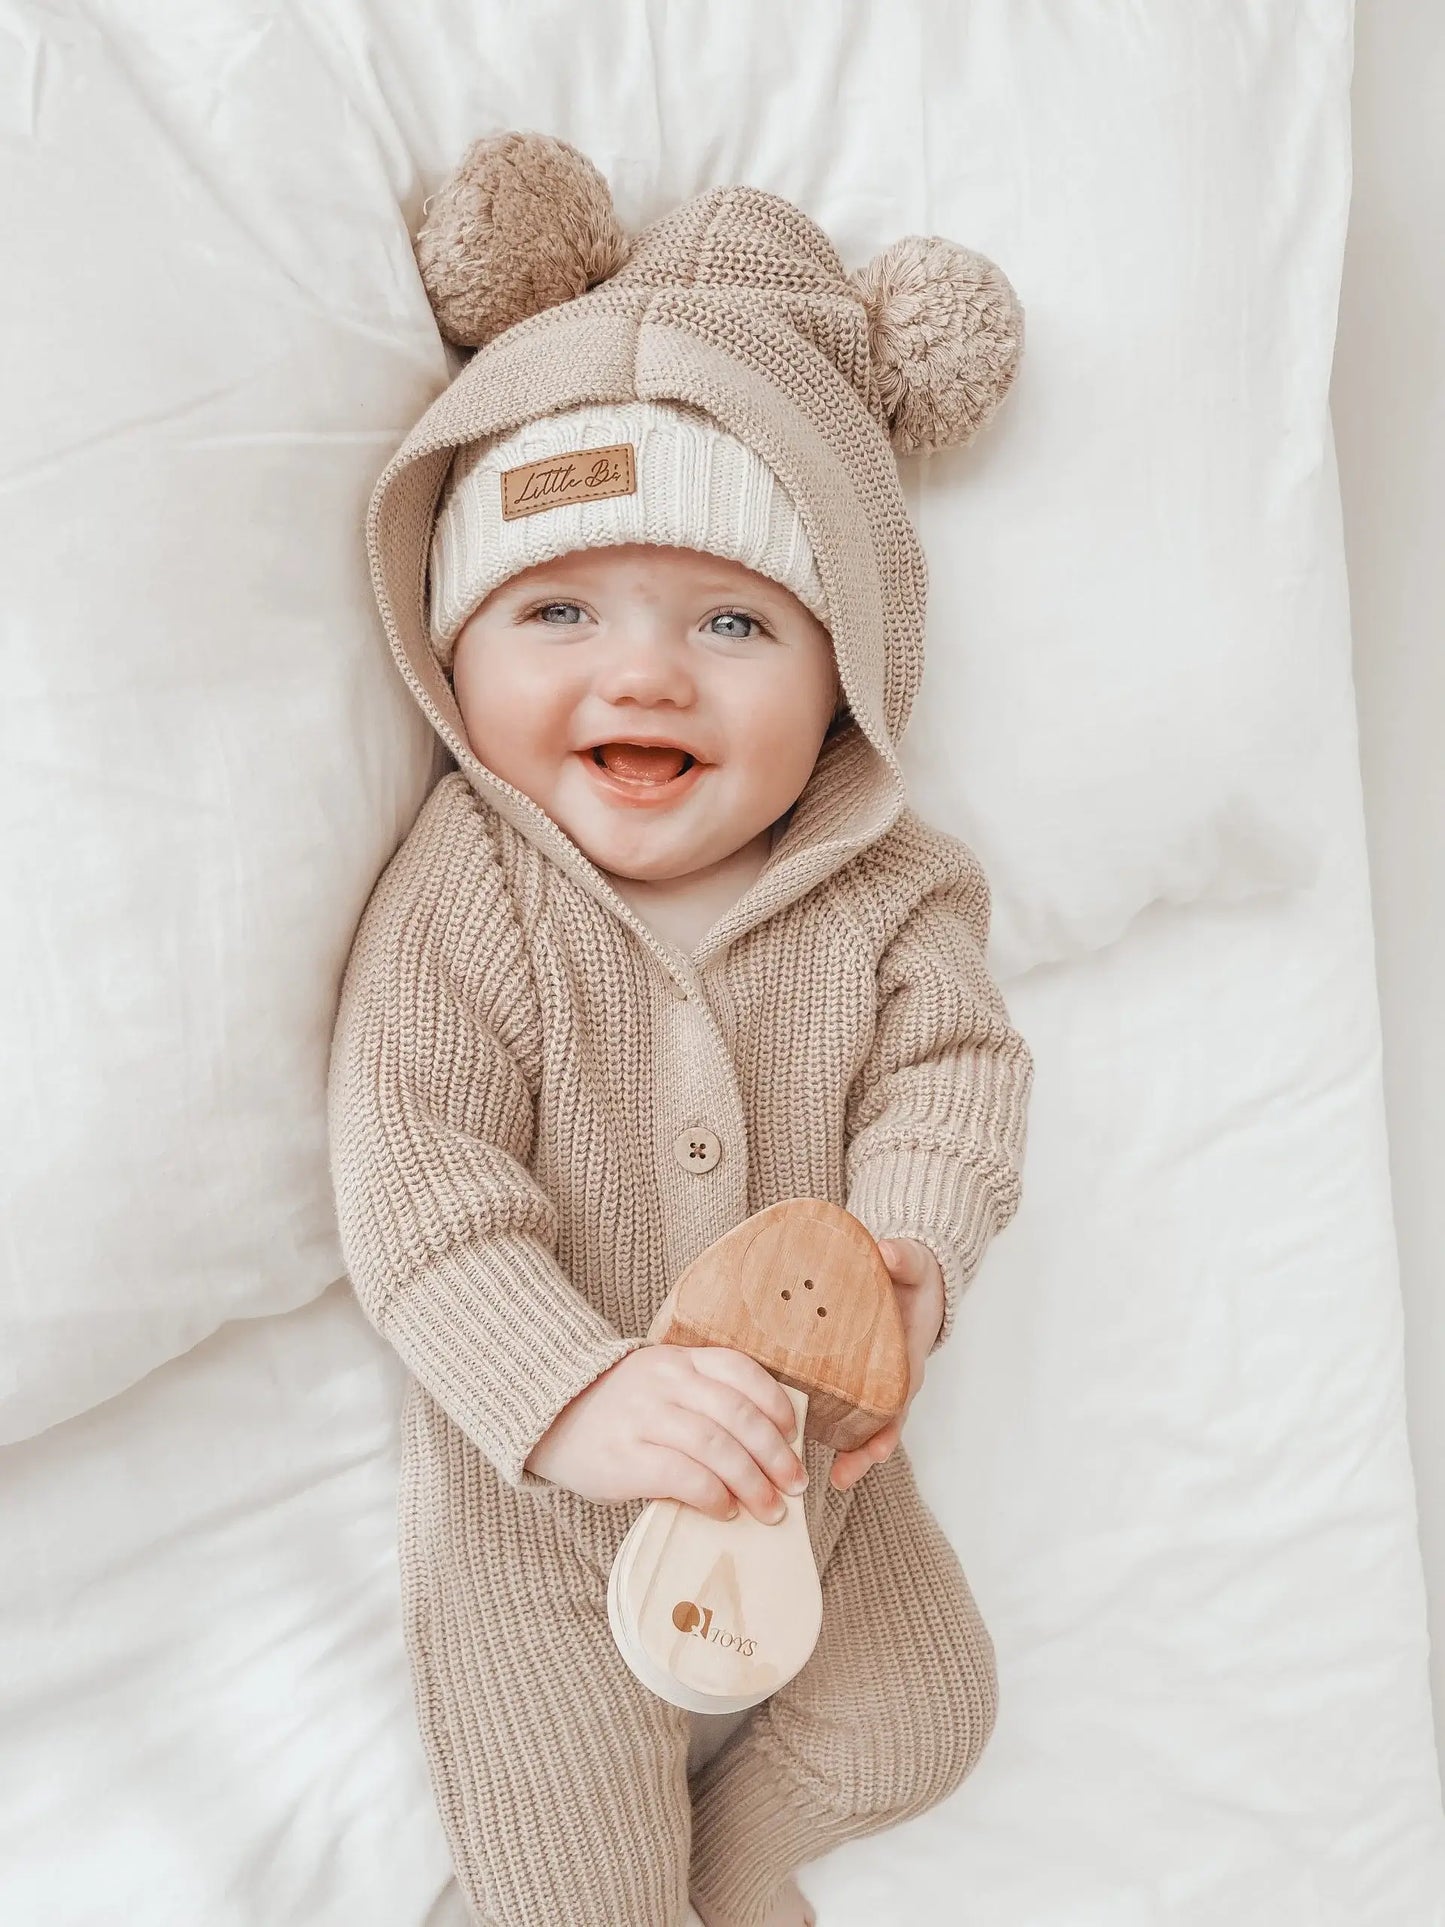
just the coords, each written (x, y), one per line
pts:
(716, 1614)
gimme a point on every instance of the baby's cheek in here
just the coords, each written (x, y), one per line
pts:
(776, 764)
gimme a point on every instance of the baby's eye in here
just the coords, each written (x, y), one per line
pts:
(733, 615)
(547, 608)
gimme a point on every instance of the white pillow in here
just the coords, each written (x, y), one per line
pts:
(214, 343)
(216, 337)
(1135, 569)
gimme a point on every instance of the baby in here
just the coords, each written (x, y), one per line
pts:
(667, 946)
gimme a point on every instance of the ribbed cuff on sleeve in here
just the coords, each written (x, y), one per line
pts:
(937, 1197)
(502, 1341)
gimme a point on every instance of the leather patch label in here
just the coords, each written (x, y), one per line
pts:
(590, 475)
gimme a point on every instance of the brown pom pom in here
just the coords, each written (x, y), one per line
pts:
(524, 222)
(945, 331)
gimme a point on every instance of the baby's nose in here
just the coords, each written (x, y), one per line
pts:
(647, 668)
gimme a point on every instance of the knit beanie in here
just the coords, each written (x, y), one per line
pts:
(640, 471)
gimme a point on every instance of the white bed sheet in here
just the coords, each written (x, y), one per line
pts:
(1168, 1441)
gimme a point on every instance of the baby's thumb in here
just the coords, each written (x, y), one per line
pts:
(901, 1259)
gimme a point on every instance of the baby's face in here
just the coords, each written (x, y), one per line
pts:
(641, 644)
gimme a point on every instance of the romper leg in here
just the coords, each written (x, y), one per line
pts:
(889, 1715)
(561, 1780)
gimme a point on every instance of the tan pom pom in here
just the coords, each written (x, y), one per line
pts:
(524, 223)
(946, 331)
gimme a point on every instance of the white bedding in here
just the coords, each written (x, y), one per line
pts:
(1169, 1438)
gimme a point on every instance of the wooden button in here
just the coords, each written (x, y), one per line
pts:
(697, 1149)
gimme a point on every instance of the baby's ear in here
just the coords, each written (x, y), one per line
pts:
(945, 331)
(525, 222)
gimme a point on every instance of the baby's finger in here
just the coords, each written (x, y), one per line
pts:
(906, 1260)
(673, 1474)
(719, 1395)
(849, 1467)
(717, 1448)
(736, 1368)
(849, 1475)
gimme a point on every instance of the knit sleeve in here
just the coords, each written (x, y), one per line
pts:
(449, 1239)
(937, 1115)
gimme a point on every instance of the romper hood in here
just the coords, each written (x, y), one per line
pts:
(737, 304)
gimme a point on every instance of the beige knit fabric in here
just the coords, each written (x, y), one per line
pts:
(697, 488)
(514, 1087)
(519, 1067)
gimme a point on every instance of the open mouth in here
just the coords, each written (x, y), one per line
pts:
(642, 763)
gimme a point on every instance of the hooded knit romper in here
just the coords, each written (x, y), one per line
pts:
(541, 1112)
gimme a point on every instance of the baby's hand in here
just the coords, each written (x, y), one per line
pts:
(919, 1284)
(699, 1423)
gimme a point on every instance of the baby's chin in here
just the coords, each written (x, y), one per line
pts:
(666, 845)
(650, 854)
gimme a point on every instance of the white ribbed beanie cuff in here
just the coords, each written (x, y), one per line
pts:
(695, 487)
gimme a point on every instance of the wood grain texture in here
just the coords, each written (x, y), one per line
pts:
(801, 1287)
